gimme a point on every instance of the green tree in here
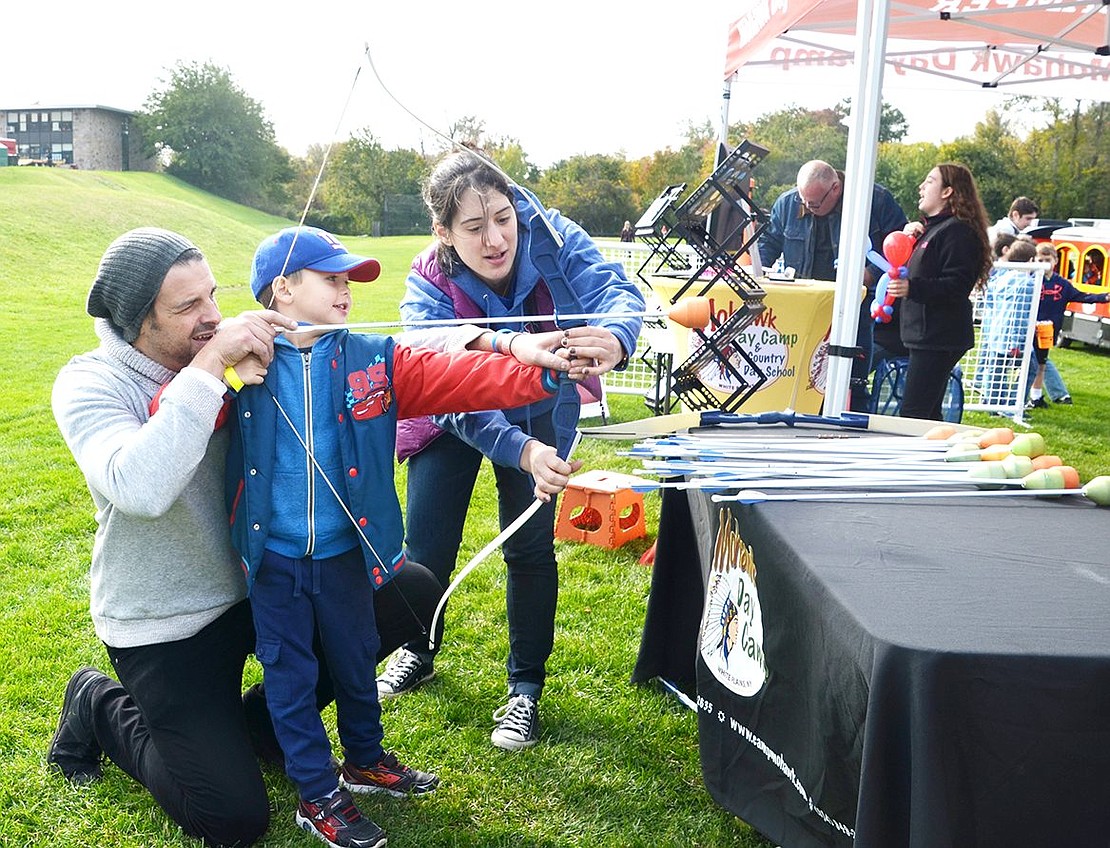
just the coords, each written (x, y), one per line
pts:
(892, 123)
(362, 175)
(689, 165)
(589, 190)
(511, 158)
(901, 168)
(215, 137)
(1067, 162)
(793, 136)
(991, 153)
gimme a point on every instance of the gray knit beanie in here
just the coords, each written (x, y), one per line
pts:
(130, 276)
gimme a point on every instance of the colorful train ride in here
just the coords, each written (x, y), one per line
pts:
(1083, 253)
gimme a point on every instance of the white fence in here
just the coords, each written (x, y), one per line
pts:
(996, 370)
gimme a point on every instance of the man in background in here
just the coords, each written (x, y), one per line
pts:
(805, 232)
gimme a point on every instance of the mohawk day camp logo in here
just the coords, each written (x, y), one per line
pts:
(731, 636)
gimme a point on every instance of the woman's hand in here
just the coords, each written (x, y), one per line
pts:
(549, 471)
(592, 351)
(898, 288)
(914, 228)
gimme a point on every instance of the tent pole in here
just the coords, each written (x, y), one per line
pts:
(722, 151)
(726, 96)
(872, 23)
(722, 139)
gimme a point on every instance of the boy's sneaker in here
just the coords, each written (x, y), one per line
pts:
(339, 823)
(1037, 403)
(404, 672)
(74, 750)
(518, 724)
(387, 775)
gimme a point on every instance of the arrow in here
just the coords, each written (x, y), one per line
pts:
(661, 424)
(1097, 491)
(691, 312)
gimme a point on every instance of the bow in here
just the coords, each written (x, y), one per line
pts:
(544, 244)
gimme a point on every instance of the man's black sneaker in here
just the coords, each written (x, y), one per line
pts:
(387, 775)
(403, 673)
(74, 750)
(1037, 403)
(518, 724)
(339, 823)
(1065, 400)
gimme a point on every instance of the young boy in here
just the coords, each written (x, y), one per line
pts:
(315, 515)
(1056, 294)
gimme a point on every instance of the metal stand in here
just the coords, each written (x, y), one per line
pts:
(720, 223)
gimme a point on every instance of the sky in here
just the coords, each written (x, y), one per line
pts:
(563, 79)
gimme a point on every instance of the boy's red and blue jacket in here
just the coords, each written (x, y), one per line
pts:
(344, 396)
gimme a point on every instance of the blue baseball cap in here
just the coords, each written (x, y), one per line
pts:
(307, 247)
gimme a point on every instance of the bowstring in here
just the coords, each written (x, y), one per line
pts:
(320, 171)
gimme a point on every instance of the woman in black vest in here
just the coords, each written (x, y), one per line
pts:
(951, 257)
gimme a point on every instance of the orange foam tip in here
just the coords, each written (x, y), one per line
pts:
(1071, 477)
(996, 436)
(941, 432)
(1046, 460)
(691, 312)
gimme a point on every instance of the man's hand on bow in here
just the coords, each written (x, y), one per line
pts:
(251, 333)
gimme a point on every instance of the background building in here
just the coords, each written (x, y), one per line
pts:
(97, 138)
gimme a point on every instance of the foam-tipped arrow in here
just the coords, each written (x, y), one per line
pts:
(691, 312)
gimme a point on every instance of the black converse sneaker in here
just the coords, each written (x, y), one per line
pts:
(404, 672)
(338, 822)
(518, 724)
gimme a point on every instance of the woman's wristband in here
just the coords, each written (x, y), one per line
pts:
(502, 333)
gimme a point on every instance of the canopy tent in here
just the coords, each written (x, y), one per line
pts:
(1008, 42)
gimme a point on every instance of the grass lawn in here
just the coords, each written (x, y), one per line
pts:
(618, 764)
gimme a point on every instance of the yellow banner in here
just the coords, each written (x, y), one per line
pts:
(788, 342)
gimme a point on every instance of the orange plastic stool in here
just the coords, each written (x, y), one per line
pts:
(599, 507)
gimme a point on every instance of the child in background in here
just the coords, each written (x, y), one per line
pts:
(1056, 294)
(315, 516)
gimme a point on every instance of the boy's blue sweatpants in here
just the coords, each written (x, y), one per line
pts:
(290, 599)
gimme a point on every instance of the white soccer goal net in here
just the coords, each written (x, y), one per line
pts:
(996, 370)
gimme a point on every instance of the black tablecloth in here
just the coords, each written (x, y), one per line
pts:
(937, 671)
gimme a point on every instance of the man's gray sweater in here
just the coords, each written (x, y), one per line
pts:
(162, 562)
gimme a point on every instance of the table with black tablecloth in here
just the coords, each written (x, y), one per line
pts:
(928, 672)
